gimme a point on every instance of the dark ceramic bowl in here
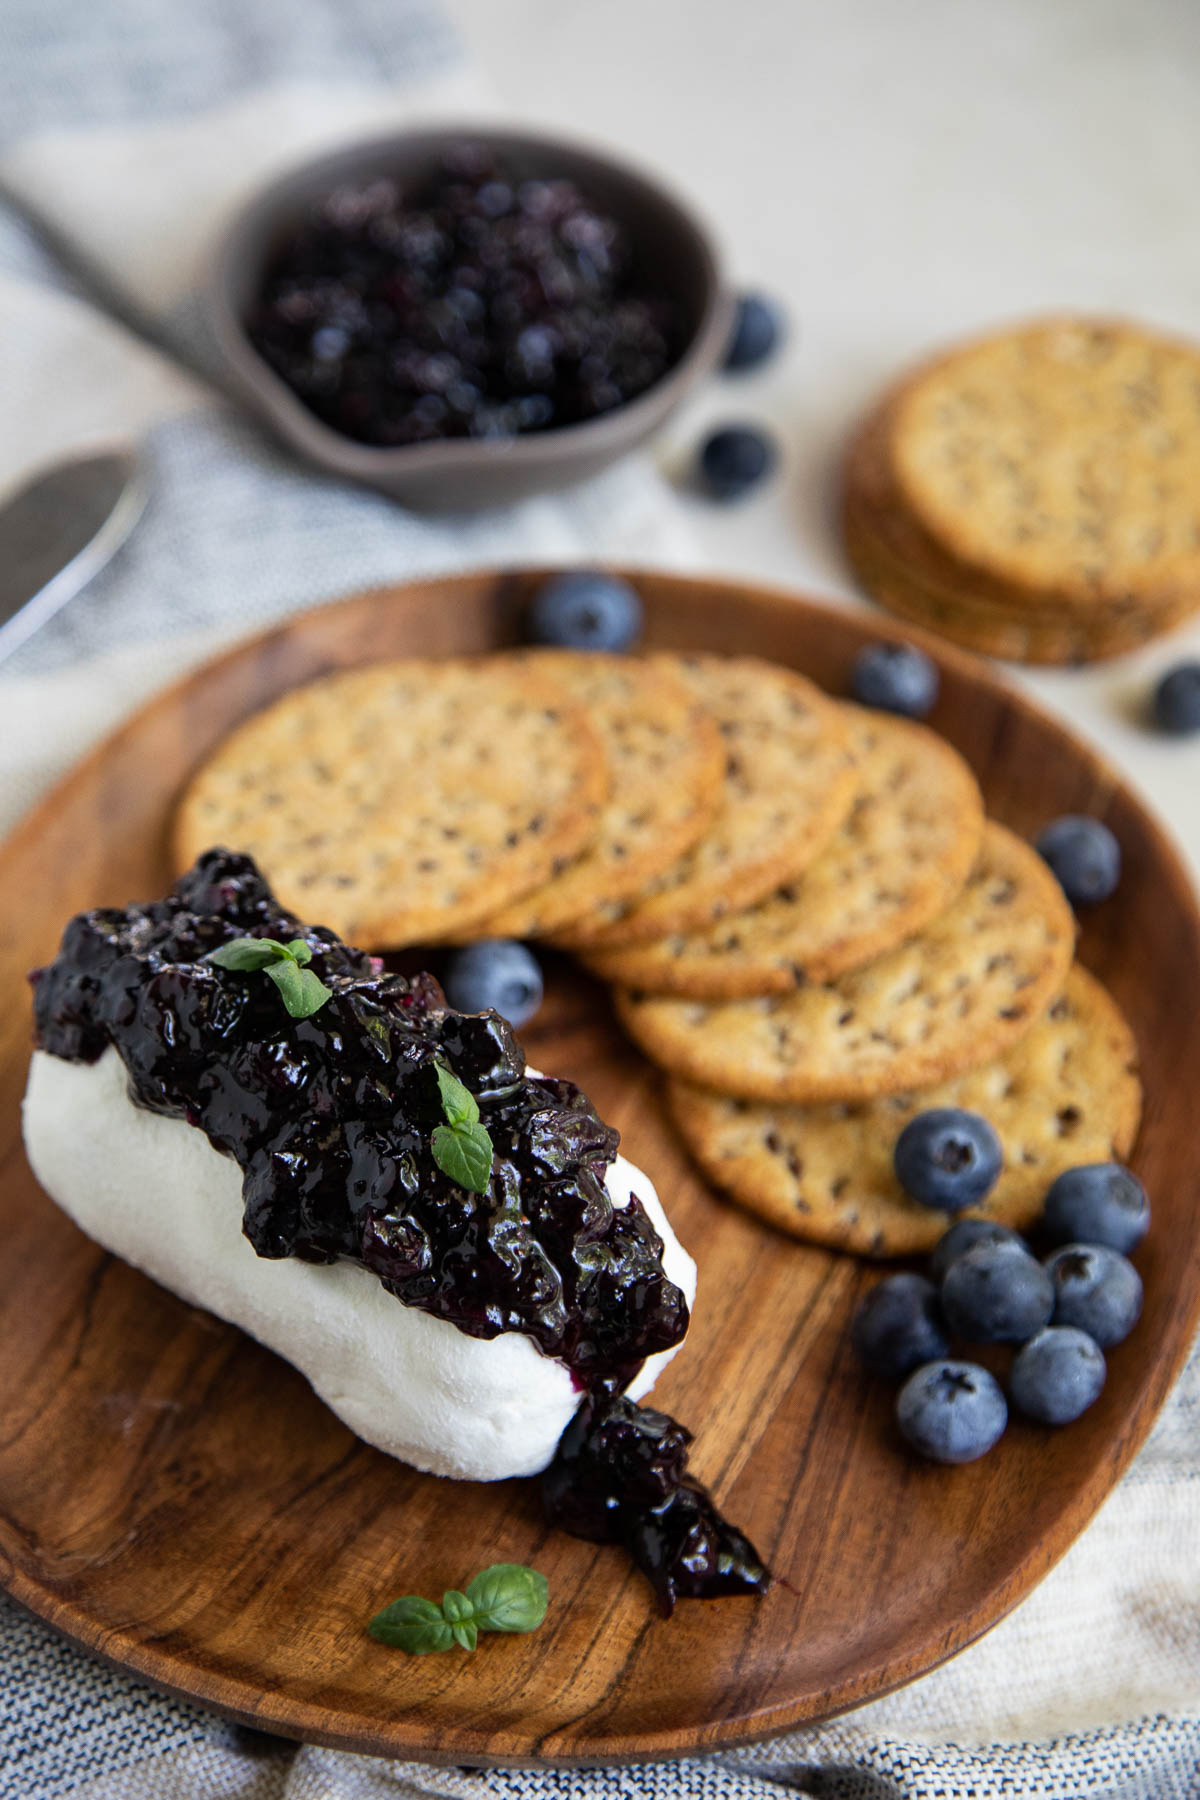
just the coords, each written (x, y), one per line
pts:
(673, 255)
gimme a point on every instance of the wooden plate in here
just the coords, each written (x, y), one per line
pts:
(175, 1498)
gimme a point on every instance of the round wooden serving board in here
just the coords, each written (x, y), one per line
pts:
(175, 1498)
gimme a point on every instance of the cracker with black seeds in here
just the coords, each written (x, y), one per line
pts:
(1068, 1093)
(899, 858)
(958, 994)
(789, 781)
(402, 801)
(665, 759)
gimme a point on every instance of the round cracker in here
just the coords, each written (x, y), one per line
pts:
(898, 859)
(665, 760)
(1061, 458)
(401, 801)
(789, 783)
(955, 996)
(1067, 1093)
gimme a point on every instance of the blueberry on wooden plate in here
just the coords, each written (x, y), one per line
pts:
(898, 1326)
(757, 329)
(494, 975)
(948, 1158)
(1057, 1375)
(734, 460)
(962, 1236)
(1097, 1290)
(584, 609)
(1084, 856)
(896, 678)
(952, 1412)
(1177, 700)
(997, 1294)
(1097, 1203)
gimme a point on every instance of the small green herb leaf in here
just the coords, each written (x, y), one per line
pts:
(458, 1103)
(286, 964)
(412, 1624)
(508, 1597)
(464, 1153)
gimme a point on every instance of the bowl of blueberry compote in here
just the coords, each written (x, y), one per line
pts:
(463, 319)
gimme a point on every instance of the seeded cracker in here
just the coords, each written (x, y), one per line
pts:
(956, 996)
(899, 858)
(789, 783)
(1066, 1094)
(665, 759)
(403, 801)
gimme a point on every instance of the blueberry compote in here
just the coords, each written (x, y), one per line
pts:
(471, 304)
(330, 1119)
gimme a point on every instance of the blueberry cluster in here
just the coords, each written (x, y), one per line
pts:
(475, 304)
(986, 1286)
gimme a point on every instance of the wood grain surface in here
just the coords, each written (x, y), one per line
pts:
(175, 1498)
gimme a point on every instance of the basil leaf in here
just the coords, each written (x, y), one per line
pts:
(412, 1624)
(508, 1597)
(456, 1607)
(303, 992)
(299, 951)
(465, 1636)
(246, 954)
(458, 1103)
(464, 1153)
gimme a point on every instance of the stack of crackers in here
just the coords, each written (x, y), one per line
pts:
(808, 922)
(1036, 495)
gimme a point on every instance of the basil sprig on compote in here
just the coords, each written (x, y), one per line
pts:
(302, 990)
(506, 1597)
(461, 1147)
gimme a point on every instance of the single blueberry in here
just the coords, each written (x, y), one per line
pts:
(1098, 1203)
(997, 1294)
(757, 329)
(948, 1158)
(1057, 1375)
(1096, 1290)
(1177, 700)
(962, 1237)
(1084, 855)
(734, 460)
(895, 678)
(952, 1412)
(898, 1326)
(494, 975)
(584, 609)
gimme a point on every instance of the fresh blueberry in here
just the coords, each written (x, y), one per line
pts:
(1057, 1375)
(757, 329)
(1084, 855)
(964, 1236)
(584, 610)
(899, 1326)
(952, 1412)
(895, 678)
(948, 1158)
(494, 975)
(1098, 1203)
(1096, 1290)
(997, 1294)
(1177, 700)
(734, 460)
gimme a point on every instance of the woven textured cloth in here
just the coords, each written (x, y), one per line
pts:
(126, 133)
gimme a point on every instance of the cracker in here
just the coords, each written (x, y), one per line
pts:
(398, 802)
(1059, 459)
(898, 859)
(665, 759)
(949, 999)
(1067, 1093)
(789, 783)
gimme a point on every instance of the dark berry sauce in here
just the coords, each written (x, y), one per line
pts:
(475, 304)
(330, 1119)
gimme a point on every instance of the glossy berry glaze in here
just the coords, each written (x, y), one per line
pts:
(330, 1119)
(475, 305)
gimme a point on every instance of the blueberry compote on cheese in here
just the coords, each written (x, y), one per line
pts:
(330, 1119)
